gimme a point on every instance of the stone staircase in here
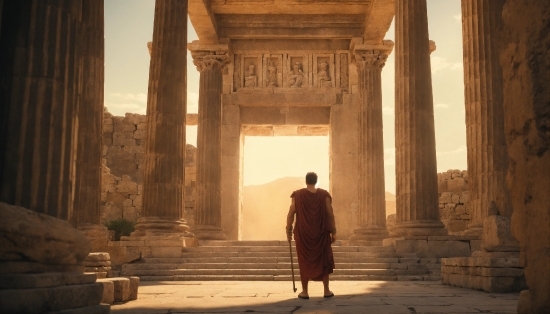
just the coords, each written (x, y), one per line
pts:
(270, 260)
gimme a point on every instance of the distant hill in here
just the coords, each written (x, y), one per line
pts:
(265, 208)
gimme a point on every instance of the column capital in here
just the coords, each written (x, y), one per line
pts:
(372, 56)
(208, 56)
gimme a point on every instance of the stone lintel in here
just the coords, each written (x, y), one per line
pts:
(285, 130)
(203, 20)
(286, 99)
(285, 115)
(319, 45)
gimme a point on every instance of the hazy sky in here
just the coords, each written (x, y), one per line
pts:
(129, 26)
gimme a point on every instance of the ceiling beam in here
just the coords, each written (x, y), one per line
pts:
(203, 20)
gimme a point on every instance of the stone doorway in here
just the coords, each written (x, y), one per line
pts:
(273, 167)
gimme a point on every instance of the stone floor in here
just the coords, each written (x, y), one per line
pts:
(277, 297)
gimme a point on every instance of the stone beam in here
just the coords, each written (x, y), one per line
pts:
(203, 20)
(378, 21)
(288, 7)
(285, 130)
(290, 32)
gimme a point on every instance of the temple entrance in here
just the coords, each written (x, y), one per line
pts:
(273, 167)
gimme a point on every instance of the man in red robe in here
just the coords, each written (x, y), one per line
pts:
(314, 232)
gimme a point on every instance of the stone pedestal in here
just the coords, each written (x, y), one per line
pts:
(210, 62)
(163, 188)
(98, 263)
(417, 212)
(483, 94)
(370, 60)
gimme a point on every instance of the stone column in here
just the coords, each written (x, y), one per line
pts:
(87, 202)
(163, 186)
(39, 132)
(370, 59)
(210, 62)
(416, 165)
(487, 158)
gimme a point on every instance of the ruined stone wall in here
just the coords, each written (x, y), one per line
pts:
(453, 200)
(122, 171)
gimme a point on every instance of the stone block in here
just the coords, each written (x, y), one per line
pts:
(457, 185)
(140, 134)
(40, 300)
(497, 234)
(98, 256)
(108, 291)
(121, 288)
(44, 280)
(173, 251)
(37, 238)
(134, 285)
(123, 139)
(97, 263)
(445, 249)
(445, 197)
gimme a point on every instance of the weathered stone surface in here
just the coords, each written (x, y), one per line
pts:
(134, 285)
(50, 299)
(44, 280)
(98, 256)
(487, 159)
(121, 288)
(108, 291)
(526, 74)
(497, 235)
(28, 236)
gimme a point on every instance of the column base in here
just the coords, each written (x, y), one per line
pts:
(369, 236)
(209, 233)
(418, 228)
(97, 234)
(161, 226)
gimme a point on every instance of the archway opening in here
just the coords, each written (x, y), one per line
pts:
(274, 166)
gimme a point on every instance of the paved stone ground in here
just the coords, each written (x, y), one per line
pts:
(277, 297)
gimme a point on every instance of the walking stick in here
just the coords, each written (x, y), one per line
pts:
(292, 266)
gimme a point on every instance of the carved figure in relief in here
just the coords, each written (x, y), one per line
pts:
(272, 74)
(296, 77)
(323, 78)
(250, 77)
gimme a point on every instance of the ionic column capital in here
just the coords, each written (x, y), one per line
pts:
(209, 56)
(372, 56)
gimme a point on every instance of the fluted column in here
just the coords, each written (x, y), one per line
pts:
(416, 165)
(163, 186)
(90, 117)
(210, 62)
(40, 79)
(483, 94)
(370, 59)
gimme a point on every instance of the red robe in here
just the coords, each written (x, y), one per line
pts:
(312, 234)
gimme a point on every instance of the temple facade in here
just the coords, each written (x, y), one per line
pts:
(270, 68)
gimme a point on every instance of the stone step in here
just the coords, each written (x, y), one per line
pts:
(281, 248)
(279, 265)
(288, 278)
(208, 254)
(271, 272)
(278, 259)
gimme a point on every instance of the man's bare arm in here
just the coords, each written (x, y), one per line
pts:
(331, 220)
(290, 220)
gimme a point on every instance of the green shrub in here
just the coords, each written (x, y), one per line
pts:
(122, 227)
